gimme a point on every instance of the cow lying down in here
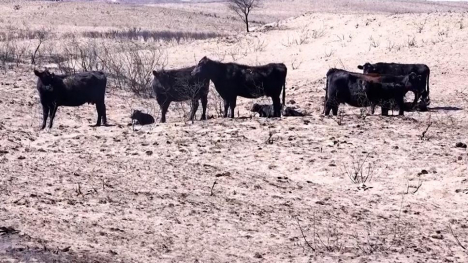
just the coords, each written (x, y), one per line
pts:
(141, 118)
(267, 110)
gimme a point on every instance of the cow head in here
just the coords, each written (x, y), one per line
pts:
(367, 68)
(47, 79)
(159, 74)
(159, 78)
(135, 114)
(201, 68)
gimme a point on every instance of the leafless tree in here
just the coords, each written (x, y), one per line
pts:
(242, 8)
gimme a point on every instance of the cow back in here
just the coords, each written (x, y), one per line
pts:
(179, 85)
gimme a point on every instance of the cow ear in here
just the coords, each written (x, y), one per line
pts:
(155, 73)
(37, 73)
(360, 67)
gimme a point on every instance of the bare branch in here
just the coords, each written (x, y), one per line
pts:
(456, 238)
(303, 236)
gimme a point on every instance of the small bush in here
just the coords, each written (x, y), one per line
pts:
(411, 41)
(373, 43)
(361, 171)
(131, 66)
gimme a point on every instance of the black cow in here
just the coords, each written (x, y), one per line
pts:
(362, 90)
(232, 80)
(180, 85)
(71, 90)
(267, 110)
(141, 118)
(404, 69)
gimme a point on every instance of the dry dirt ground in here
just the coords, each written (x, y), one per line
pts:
(247, 189)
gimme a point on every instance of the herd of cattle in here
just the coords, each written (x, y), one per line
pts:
(380, 84)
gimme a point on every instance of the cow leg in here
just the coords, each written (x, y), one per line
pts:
(103, 114)
(204, 103)
(226, 108)
(195, 104)
(401, 106)
(384, 111)
(327, 108)
(101, 111)
(53, 110)
(424, 102)
(373, 108)
(164, 107)
(276, 106)
(99, 116)
(335, 110)
(45, 114)
(232, 105)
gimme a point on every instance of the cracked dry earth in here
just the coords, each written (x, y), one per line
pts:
(242, 190)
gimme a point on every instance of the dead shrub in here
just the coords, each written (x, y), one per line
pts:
(329, 53)
(8, 51)
(150, 35)
(131, 65)
(373, 43)
(296, 63)
(327, 233)
(420, 26)
(411, 42)
(360, 171)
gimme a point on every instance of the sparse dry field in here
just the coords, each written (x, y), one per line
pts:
(248, 189)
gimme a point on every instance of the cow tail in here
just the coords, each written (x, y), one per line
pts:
(284, 94)
(427, 83)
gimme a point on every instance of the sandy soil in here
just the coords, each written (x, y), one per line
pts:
(250, 189)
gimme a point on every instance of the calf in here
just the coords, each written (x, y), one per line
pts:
(180, 85)
(422, 90)
(71, 90)
(232, 80)
(267, 110)
(264, 110)
(362, 90)
(141, 118)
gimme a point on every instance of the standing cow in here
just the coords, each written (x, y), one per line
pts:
(180, 85)
(232, 80)
(71, 90)
(404, 69)
(362, 90)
